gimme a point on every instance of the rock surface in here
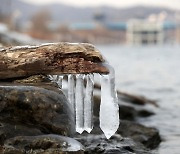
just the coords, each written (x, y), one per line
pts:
(98, 144)
(57, 58)
(30, 109)
(148, 136)
(42, 144)
(38, 106)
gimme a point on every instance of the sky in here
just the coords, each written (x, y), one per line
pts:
(173, 4)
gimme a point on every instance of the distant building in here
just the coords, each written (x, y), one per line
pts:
(144, 32)
(178, 34)
(170, 32)
(116, 26)
(83, 26)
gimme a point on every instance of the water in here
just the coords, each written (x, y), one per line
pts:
(153, 72)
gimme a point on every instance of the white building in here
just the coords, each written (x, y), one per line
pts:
(144, 32)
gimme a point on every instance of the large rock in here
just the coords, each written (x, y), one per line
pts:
(42, 144)
(131, 113)
(54, 58)
(130, 138)
(11, 129)
(98, 144)
(148, 136)
(30, 110)
(34, 113)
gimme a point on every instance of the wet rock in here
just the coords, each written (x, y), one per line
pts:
(32, 79)
(126, 112)
(145, 113)
(36, 109)
(31, 108)
(42, 144)
(130, 113)
(135, 99)
(148, 136)
(9, 130)
(142, 137)
(98, 144)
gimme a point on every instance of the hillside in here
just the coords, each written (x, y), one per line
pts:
(65, 13)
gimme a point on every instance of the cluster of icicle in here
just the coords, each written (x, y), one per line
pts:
(80, 95)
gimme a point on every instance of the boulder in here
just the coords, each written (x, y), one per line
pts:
(31, 110)
(42, 144)
(148, 136)
(34, 114)
(98, 144)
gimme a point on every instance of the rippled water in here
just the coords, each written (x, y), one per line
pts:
(152, 71)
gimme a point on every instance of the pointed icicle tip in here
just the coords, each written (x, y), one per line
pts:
(109, 109)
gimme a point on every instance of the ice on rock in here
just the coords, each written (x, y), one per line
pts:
(80, 95)
(88, 103)
(79, 103)
(109, 109)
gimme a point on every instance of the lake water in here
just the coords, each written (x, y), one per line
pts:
(152, 71)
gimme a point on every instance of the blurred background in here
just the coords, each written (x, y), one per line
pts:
(139, 38)
(101, 22)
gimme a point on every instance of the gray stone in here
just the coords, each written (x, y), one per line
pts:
(42, 144)
(148, 136)
(38, 109)
(98, 144)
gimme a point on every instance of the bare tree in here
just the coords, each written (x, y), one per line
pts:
(40, 22)
(5, 10)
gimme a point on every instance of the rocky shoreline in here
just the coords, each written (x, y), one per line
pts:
(35, 117)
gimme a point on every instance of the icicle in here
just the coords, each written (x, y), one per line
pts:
(71, 91)
(79, 105)
(59, 81)
(51, 77)
(109, 110)
(82, 102)
(88, 103)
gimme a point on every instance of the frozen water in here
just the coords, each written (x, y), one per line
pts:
(71, 91)
(109, 109)
(57, 79)
(52, 77)
(79, 105)
(80, 95)
(88, 103)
